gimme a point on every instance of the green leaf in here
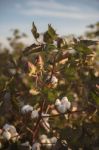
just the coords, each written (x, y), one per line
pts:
(88, 42)
(95, 97)
(52, 32)
(34, 31)
(50, 35)
(50, 47)
(50, 94)
(47, 38)
(80, 47)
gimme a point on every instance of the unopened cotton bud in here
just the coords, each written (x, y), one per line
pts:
(6, 135)
(26, 109)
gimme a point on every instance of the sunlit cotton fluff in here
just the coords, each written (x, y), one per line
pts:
(52, 79)
(10, 132)
(6, 135)
(36, 146)
(62, 105)
(26, 108)
(47, 142)
(34, 114)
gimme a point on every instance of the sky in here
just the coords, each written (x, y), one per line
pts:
(66, 16)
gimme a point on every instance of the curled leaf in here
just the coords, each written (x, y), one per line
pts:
(32, 69)
(34, 31)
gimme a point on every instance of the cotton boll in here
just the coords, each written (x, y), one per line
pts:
(10, 128)
(10, 131)
(57, 102)
(36, 146)
(43, 138)
(6, 127)
(26, 109)
(68, 105)
(54, 80)
(6, 135)
(63, 105)
(64, 99)
(65, 102)
(53, 140)
(15, 136)
(34, 114)
(43, 141)
(48, 144)
(26, 145)
(61, 108)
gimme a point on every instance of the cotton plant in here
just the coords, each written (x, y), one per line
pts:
(49, 66)
(9, 132)
(35, 114)
(62, 105)
(53, 80)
